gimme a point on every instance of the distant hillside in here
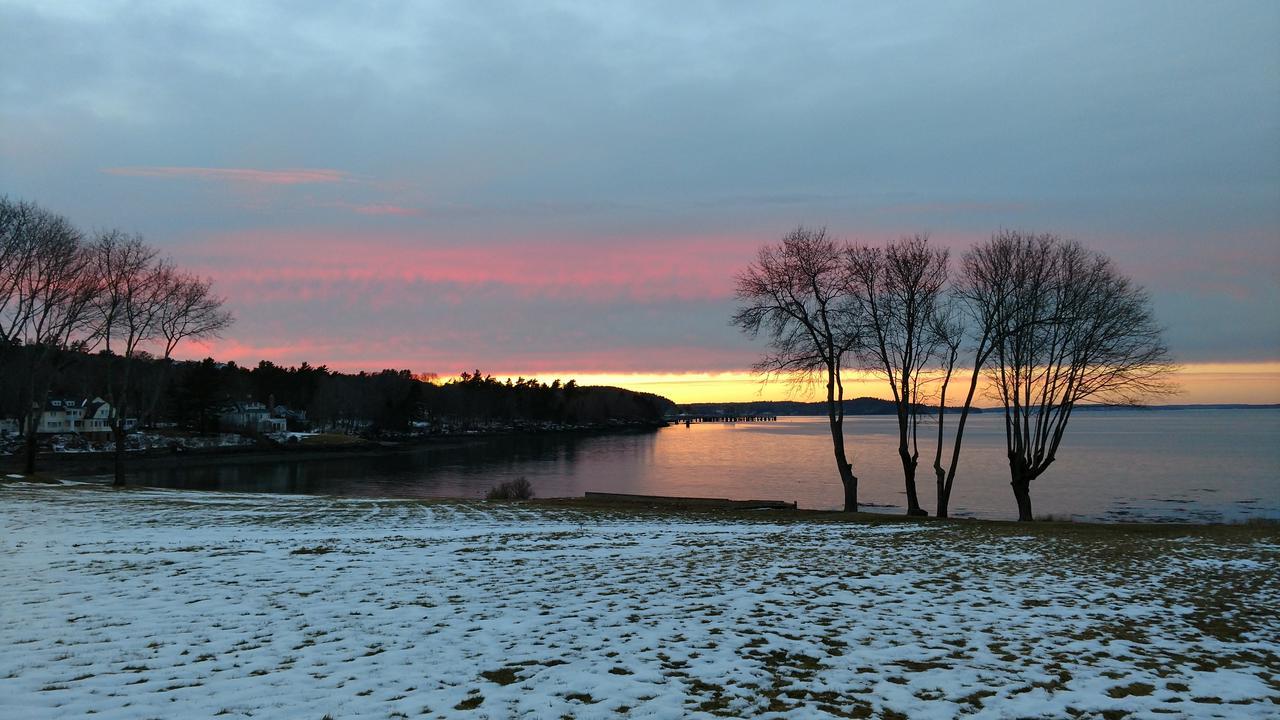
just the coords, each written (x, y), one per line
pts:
(856, 406)
(600, 403)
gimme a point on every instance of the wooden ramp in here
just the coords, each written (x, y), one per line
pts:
(692, 502)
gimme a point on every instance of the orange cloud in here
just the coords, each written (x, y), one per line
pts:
(300, 176)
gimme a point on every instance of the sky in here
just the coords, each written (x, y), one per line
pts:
(567, 189)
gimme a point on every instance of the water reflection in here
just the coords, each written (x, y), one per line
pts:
(1187, 465)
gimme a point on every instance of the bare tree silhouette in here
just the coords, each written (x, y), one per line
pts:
(897, 291)
(796, 293)
(1068, 328)
(46, 284)
(132, 290)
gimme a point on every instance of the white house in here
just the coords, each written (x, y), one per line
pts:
(82, 417)
(8, 426)
(251, 416)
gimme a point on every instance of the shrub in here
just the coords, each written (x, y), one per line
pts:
(518, 489)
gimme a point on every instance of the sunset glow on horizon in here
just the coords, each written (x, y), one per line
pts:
(1245, 383)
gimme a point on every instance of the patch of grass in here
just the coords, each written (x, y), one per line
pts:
(975, 699)
(518, 489)
(317, 550)
(1138, 689)
(501, 676)
(470, 703)
(922, 666)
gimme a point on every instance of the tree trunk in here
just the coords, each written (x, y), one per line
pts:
(31, 421)
(909, 473)
(847, 479)
(117, 432)
(1022, 494)
(1020, 477)
(31, 448)
(944, 497)
(850, 489)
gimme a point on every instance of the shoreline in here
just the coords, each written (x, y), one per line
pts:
(697, 509)
(83, 464)
(677, 509)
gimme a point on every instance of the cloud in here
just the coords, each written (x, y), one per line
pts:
(295, 176)
(384, 209)
(586, 177)
(270, 265)
(370, 208)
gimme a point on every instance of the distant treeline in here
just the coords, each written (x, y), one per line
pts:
(189, 394)
(857, 406)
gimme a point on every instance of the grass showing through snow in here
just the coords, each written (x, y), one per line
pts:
(134, 604)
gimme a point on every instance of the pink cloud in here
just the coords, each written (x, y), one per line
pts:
(385, 209)
(296, 176)
(353, 355)
(276, 265)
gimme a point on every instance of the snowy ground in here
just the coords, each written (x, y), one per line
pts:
(139, 604)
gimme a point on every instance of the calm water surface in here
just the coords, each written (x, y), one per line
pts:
(1192, 465)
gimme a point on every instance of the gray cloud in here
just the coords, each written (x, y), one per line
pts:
(1150, 130)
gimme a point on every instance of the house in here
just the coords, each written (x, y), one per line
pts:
(8, 427)
(81, 417)
(251, 417)
(294, 419)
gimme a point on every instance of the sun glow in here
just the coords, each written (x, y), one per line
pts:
(1253, 383)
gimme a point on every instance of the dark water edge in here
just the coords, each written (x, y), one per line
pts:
(367, 470)
(1141, 466)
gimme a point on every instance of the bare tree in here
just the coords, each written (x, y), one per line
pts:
(189, 309)
(134, 285)
(948, 330)
(14, 256)
(1069, 329)
(45, 289)
(796, 294)
(976, 310)
(897, 291)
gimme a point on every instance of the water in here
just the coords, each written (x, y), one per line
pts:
(1189, 465)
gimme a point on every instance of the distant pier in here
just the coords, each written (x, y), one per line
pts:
(690, 419)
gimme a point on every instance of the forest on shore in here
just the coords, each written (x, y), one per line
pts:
(189, 395)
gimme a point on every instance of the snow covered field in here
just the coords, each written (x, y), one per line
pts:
(140, 604)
